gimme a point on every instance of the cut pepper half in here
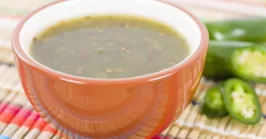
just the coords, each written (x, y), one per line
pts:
(213, 103)
(241, 101)
(250, 63)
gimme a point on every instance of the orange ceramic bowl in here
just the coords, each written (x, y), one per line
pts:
(137, 107)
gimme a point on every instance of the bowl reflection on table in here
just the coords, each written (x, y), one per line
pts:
(138, 107)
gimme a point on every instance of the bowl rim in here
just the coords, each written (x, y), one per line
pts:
(26, 58)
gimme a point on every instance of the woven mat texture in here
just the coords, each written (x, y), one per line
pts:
(18, 120)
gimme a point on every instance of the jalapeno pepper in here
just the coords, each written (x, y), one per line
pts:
(241, 59)
(219, 52)
(213, 105)
(249, 30)
(241, 101)
(250, 63)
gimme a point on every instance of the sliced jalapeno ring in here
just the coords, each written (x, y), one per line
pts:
(213, 105)
(241, 101)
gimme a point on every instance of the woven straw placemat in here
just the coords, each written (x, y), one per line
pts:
(18, 120)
